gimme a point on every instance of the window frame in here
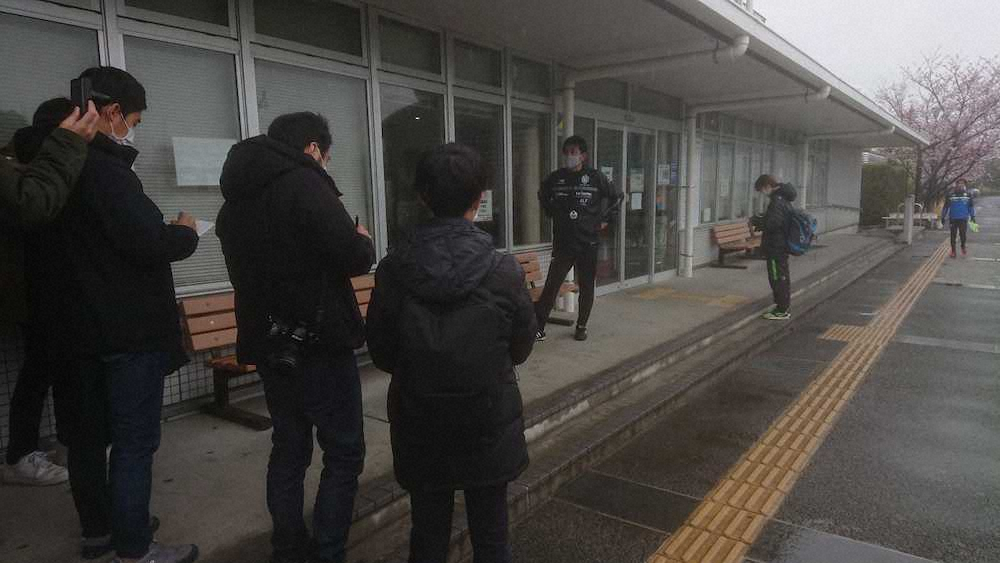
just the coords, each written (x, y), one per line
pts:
(250, 31)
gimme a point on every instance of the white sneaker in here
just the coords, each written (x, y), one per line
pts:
(35, 469)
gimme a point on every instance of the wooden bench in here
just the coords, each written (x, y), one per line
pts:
(734, 237)
(536, 282)
(209, 324)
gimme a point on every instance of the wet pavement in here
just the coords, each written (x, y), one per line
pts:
(908, 473)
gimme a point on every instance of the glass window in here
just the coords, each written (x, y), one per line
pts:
(412, 123)
(478, 64)
(408, 46)
(530, 77)
(711, 121)
(606, 92)
(742, 182)
(480, 125)
(727, 125)
(655, 103)
(43, 57)
(586, 128)
(323, 24)
(208, 11)
(725, 180)
(343, 101)
(744, 128)
(530, 140)
(183, 128)
(609, 162)
(667, 169)
(85, 4)
(709, 178)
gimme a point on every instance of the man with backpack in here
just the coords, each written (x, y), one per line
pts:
(775, 225)
(449, 318)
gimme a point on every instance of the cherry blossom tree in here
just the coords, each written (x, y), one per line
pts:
(955, 104)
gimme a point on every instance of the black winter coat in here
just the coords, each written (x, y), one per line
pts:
(577, 202)
(443, 261)
(775, 222)
(283, 228)
(100, 274)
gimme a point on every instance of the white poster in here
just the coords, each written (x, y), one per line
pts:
(485, 207)
(635, 201)
(663, 174)
(198, 161)
(636, 180)
(609, 172)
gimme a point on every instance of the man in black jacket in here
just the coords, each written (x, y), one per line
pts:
(580, 200)
(291, 249)
(109, 307)
(774, 223)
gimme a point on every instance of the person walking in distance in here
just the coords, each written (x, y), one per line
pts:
(959, 208)
(774, 224)
(580, 200)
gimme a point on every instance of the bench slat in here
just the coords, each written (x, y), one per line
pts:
(208, 304)
(363, 282)
(208, 323)
(363, 296)
(217, 339)
(231, 365)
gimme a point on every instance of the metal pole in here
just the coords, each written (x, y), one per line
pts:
(691, 209)
(803, 173)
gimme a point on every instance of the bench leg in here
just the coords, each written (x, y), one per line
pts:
(221, 407)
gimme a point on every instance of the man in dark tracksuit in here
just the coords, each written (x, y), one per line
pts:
(959, 208)
(579, 199)
(774, 224)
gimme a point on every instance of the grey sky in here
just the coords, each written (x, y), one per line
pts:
(865, 42)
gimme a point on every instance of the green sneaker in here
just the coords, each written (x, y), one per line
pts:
(775, 315)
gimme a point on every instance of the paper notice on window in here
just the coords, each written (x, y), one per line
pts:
(662, 174)
(485, 207)
(203, 226)
(635, 201)
(198, 161)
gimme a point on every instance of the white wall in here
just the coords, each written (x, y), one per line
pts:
(844, 184)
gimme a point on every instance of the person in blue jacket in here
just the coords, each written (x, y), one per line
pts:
(959, 208)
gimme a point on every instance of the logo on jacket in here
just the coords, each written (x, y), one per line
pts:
(574, 215)
(585, 179)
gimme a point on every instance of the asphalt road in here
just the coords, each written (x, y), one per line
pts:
(907, 471)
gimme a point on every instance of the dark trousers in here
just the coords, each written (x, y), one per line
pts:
(326, 395)
(115, 399)
(585, 261)
(486, 509)
(28, 402)
(780, 280)
(958, 227)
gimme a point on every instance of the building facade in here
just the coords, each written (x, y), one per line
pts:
(398, 77)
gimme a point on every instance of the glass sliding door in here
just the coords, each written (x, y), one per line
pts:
(639, 187)
(608, 161)
(665, 205)
(725, 180)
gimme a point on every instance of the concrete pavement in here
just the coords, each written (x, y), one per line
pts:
(209, 473)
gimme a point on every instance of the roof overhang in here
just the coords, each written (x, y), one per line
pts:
(584, 35)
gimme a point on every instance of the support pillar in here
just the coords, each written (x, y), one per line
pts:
(691, 208)
(803, 173)
(908, 218)
(569, 108)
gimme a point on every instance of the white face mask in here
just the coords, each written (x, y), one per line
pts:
(129, 139)
(573, 160)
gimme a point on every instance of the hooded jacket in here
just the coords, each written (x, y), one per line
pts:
(958, 206)
(577, 202)
(444, 261)
(774, 224)
(290, 246)
(103, 266)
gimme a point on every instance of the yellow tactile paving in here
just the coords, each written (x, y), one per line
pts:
(733, 514)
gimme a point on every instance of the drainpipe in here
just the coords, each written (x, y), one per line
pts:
(718, 54)
(851, 134)
(803, 172)
(569, 107)
(692, 199)
(810, 96)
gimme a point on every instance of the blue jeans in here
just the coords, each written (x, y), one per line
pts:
(324, 394)
(117, 398)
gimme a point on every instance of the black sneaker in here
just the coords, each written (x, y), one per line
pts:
(540, 336)
(93, 548)
(581, 333)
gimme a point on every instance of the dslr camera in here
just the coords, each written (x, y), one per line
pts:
(287, 344)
